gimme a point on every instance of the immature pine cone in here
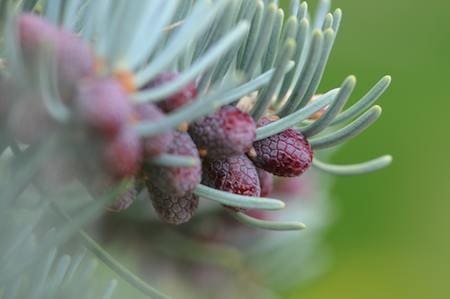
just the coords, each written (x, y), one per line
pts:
(102, 105)
(177, 181)
(182, 97)
(156, 144)
(171, 208)
(284, 154)
(235, 174)
(226, 133)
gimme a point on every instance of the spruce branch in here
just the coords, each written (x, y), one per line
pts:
(230, 51)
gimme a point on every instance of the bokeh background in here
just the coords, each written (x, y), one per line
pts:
(392, 236)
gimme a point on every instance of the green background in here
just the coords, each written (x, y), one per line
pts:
(392, 237)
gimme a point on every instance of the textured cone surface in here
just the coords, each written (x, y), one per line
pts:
(122, 154)
(102, 105)
(177, 180)
(182, 97)
(226, 133)
(170, 208)
(235, 174)
(157, 144)
(266, 182)
(285, 154)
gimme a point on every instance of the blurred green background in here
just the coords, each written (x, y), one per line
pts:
(392, 236)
